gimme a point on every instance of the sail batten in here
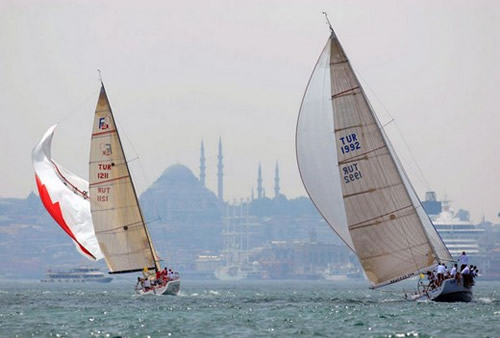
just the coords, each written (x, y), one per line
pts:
(104, 133)
(110, 180)
(345, 92)
(119, 224)
(367, 194)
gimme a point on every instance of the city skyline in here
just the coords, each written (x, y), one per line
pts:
(177, 73)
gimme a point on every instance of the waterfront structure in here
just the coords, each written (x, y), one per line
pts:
(239, 226)
(276, 181)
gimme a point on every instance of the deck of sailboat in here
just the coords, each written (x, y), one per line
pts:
(171, 288)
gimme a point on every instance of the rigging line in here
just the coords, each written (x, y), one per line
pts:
(385, 125)
(76, 108)
(153, 220)
(422, 176)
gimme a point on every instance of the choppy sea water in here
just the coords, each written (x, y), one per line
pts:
(240, 309)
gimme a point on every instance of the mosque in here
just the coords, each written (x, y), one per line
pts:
(190, 221)
(178, 195)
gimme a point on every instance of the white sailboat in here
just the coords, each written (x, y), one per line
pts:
(357, 183)
(119, 224)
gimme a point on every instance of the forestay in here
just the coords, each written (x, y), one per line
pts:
(342, 150)
(118, 221)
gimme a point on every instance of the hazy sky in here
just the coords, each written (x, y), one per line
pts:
(177, 72)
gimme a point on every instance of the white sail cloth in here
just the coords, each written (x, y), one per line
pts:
(354, 178)
(65, 196)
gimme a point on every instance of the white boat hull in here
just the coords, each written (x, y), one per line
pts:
(449, 291)
(171, 288)
(230, 273)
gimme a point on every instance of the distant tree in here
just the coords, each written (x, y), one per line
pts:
(463, 215)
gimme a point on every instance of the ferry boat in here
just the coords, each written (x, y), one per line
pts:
(76, 275)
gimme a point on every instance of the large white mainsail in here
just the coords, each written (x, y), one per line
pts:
(118, 220)
(354, 178)
(65, 196)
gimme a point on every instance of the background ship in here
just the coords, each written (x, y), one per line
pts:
(77, 275)
(457, 231)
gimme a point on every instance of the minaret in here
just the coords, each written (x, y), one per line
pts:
(276, 181)
(219, 173)
(202, 165)
(259, 183)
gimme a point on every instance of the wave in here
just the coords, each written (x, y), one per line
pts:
(486, 300)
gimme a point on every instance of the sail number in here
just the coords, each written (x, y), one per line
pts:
(351, 173)
(350, 143)
(103, 167)
(103, 194)
(102, 175)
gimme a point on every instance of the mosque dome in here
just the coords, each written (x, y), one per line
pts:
(178, 173)
(179, 195)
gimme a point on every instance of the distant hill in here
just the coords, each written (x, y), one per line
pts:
(30, 240)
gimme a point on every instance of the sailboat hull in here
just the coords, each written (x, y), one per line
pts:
(171, 288)
(449, 292)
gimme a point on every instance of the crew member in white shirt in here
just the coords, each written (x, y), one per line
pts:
(440, 273)
(463, 260)
(453, 271)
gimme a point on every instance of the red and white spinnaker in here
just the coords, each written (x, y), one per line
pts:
(65, 196)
